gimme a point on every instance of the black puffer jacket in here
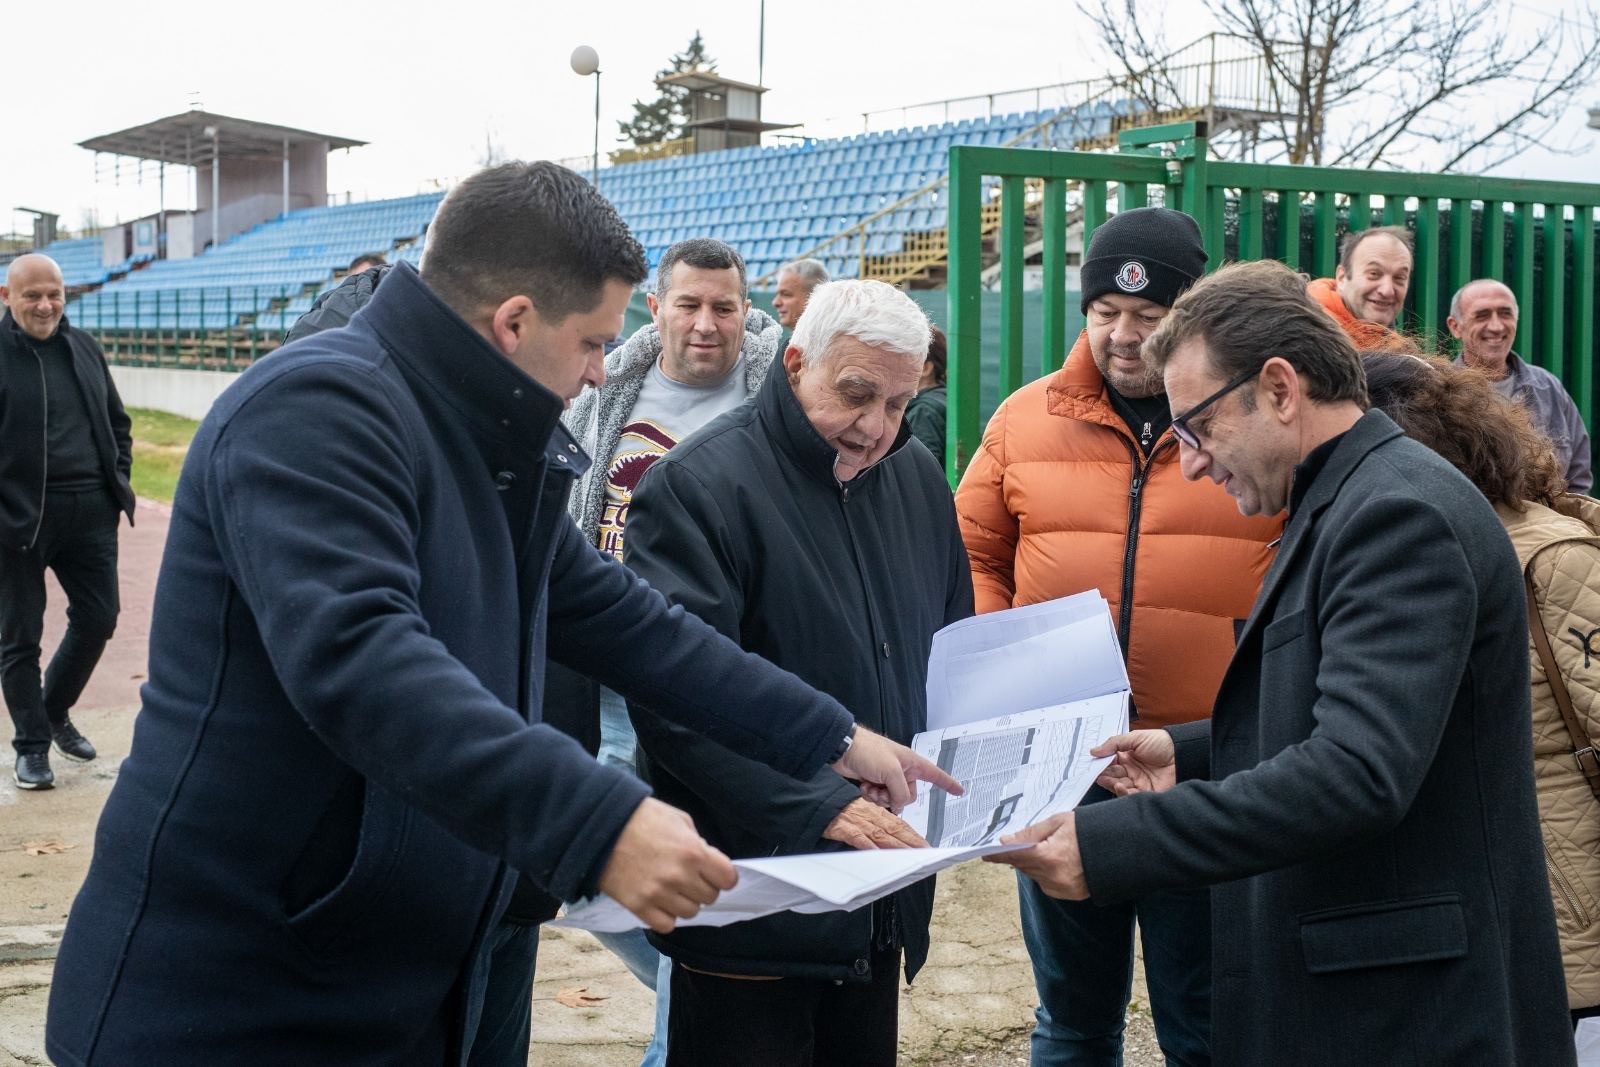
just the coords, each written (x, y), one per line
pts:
(23, 434)
(335, 307)
(744, 524)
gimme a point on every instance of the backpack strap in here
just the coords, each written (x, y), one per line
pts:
(1583, 748)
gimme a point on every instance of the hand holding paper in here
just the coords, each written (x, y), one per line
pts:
(1144, 763)
(1054, 860)
(662, 870)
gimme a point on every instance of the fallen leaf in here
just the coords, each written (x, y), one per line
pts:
(44, 848)
(580, 997)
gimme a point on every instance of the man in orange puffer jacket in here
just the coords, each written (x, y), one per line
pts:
(1368, 287)
(1077, 486)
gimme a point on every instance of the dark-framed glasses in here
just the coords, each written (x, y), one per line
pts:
(1180, 425)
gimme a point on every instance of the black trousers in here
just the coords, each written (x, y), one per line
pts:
(78, 541)
(785, 1022)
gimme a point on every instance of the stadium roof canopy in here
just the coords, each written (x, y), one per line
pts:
(187, 139)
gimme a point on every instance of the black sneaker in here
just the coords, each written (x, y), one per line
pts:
(71, 744)
(33, 771)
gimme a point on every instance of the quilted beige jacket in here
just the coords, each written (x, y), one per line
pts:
(1561, 548)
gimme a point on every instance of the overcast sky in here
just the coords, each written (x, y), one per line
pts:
(427, 83)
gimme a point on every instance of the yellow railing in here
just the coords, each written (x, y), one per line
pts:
(659, 150)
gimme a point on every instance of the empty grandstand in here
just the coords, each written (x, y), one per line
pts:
(871, 204)
(772, 202)
(80, 259)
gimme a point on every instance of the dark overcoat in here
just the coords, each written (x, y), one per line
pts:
(1364, 801)
(23, 436)
(338, 749)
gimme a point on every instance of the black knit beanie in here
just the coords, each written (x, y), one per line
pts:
(1150, 252)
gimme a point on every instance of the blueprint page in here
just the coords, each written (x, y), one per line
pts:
(1017, 769)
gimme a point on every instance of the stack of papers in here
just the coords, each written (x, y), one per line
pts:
(1016, 699)
(827, 881)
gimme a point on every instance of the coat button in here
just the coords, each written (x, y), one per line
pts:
(517, 393)
(886, 650)
(505, 480)
(573, 449)
(560, 458)
(861, 967)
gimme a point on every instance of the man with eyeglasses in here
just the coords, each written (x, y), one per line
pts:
(1362, 799)
(1077, 486)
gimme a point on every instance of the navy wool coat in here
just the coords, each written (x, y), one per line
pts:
(338, 753)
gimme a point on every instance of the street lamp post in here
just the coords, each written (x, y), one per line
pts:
(586, 61)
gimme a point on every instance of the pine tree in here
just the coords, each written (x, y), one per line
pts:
(662, 119)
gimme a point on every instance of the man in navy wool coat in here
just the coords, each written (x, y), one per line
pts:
(339, 762)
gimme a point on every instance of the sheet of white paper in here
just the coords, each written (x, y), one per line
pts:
(1031, 657)
(827, 881)
(1016, 769)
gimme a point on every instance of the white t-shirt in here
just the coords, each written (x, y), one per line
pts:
(666, 412)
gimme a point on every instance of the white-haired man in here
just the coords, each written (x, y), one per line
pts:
(1483, 317)
(796, 281)
(801, 526)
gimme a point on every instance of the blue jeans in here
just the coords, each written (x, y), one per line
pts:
(654, 971)
(1082, 956)
(500, 997)
(618, 742)
(618, 746)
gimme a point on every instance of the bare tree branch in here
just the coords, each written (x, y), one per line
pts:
(1442, 83)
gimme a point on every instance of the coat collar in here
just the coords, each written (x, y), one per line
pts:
(797, 439)
(1370, 431)
(502, 405)
(13, 329)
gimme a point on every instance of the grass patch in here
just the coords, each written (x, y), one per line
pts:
(160, 442)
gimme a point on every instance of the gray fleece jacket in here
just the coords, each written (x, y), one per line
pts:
(597, 417)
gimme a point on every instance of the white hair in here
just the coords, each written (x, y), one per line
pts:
(874, 313)
(809, 271)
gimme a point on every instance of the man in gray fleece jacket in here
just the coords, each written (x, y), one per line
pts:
(704, 352)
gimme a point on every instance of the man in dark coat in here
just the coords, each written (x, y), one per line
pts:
(65, 454)
(338, 754)
(810, 528)
(1362, 799)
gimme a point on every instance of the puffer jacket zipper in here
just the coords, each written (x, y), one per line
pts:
(1141, 473)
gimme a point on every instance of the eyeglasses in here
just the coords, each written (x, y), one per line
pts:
(1180, 425)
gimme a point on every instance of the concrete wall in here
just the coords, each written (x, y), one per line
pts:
(189, 393)
(251, 188)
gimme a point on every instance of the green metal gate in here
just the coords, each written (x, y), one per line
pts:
(1463, 227)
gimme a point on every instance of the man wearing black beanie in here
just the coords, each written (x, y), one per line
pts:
(1076, 486)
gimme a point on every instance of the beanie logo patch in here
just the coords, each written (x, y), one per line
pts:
(1132, 277)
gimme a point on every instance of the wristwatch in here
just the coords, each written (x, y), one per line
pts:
(844, 745)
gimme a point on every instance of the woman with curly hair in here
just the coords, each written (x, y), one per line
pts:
(1456, 412)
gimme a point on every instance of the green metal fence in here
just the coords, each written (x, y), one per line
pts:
(201, 327)
(1537, 237)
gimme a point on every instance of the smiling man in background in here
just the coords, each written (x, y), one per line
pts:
(1483, 317)
(1369, 286)
(66, 448)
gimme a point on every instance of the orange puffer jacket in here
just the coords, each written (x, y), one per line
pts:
(1367, 336)
(1046, 510)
